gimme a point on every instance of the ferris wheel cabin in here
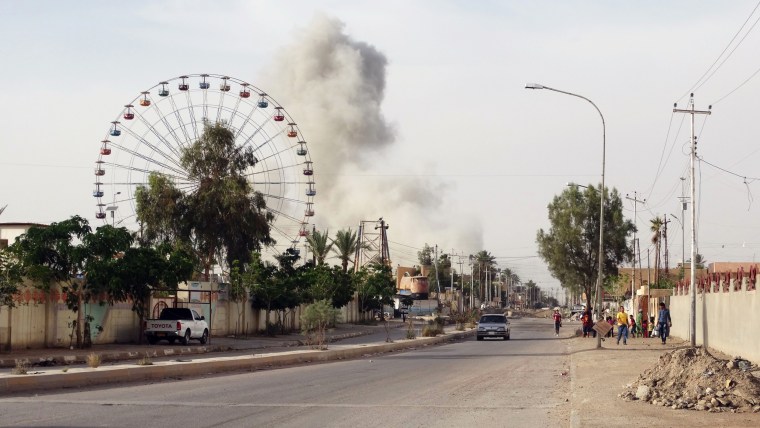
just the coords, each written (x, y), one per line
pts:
(163, 92)
(278, 116)
(244, 93)
(104, 149)
(301, 151)
(224, 86)
(183, 86)
(115, 131)
(145, 102)
(263, 103)
(308, 169)
(129, 115)
(204, 84)
(292, 132)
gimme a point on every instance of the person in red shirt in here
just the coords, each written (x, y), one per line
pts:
(557, 321)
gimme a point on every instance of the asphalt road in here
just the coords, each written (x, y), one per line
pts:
(468, 383)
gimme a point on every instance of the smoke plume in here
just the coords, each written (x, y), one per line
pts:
(334, 86)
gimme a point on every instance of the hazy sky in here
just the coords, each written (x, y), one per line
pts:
(489, 153)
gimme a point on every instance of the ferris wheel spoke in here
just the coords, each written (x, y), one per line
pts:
(205, 104)
(155, 149)
(159, 136)
(246, 122)
(281, 213)
(220, 106)
(150, 160)
(267, 171)
(280, 231)
(180, 122)
(283, 198)
(191, 110)
(170, 129)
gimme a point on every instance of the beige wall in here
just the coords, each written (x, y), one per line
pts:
(727, 320)
(42, 320)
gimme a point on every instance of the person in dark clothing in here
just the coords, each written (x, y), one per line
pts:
(663, 322)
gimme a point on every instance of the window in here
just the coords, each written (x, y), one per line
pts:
(3, 244)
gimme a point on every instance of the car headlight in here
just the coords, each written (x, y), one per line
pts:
(481, 329)
(502, 329)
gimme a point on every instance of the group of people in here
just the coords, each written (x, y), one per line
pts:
(626, 324)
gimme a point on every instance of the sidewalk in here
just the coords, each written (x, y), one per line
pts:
(269, 354)
(596, 377)
(48, 357)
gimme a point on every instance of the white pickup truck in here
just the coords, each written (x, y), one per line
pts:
(177, 323)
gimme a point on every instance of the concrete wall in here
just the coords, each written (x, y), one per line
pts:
(727, 316)
(42, 320)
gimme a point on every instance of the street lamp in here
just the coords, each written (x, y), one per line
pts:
(113, 209)
(601, 204)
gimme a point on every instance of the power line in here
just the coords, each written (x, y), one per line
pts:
(698, 84)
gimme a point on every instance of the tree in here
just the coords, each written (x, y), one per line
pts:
(49, 255)
(425, 256)
(375, 287)
(329, 283)
(344, 245)
(319, 245)
(485, 262)
(10, 278)
(218, 216)
(570, 247)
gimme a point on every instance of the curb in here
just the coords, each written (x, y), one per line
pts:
(161, 370)
(110, 356)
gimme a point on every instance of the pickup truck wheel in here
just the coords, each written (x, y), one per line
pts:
(152, 340)
(186, 337)
(204, 338)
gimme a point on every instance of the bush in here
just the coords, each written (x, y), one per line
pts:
(315, 320)
(433, 328)
(93, 360)
(21, 368)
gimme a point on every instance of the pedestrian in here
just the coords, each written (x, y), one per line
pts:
(611, 322)
(663, 322)
(632, 327)
(640, 322)
(557, 321)
(644, 327)
(622, 322)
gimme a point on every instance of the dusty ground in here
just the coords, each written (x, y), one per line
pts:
(694, 379)
(598, 377)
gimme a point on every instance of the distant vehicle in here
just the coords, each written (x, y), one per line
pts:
(177, 323)
(493, 325)
(577, 309)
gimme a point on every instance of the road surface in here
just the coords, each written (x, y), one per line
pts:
(468, 383)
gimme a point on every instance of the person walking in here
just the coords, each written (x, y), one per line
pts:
(663, 322)
(632, 327)
(557, 321)
(640, 323)
(622, 322)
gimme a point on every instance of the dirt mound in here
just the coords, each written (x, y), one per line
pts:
(694, 379)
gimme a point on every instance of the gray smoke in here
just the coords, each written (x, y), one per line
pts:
(334, 86)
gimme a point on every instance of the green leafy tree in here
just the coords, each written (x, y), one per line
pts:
(375, 287)
(10, 277)
(329, 283)
(219, 216)
(570, 247)
(320, 245)
(69, 254)
(425, 256)
(484, 263)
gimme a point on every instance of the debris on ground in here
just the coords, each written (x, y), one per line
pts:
(695, 380)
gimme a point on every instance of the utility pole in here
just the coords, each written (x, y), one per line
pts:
(665, 238)
(693, 273)
(683, 199)
(636, 203)
(437, 278)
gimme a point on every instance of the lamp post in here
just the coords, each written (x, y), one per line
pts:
(601, 204)
(113, 209)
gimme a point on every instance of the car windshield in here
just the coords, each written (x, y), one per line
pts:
(493, 319)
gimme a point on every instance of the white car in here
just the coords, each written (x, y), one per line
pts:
(493, 325)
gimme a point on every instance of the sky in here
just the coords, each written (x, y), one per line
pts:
(416, 111)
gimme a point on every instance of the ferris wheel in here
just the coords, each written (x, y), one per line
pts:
(152, 130)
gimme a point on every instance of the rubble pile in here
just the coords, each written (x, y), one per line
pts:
(693, 379)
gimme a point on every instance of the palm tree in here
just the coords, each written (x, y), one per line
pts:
(656, 227)
(319, 246)
(485, 262)
(345, 244)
